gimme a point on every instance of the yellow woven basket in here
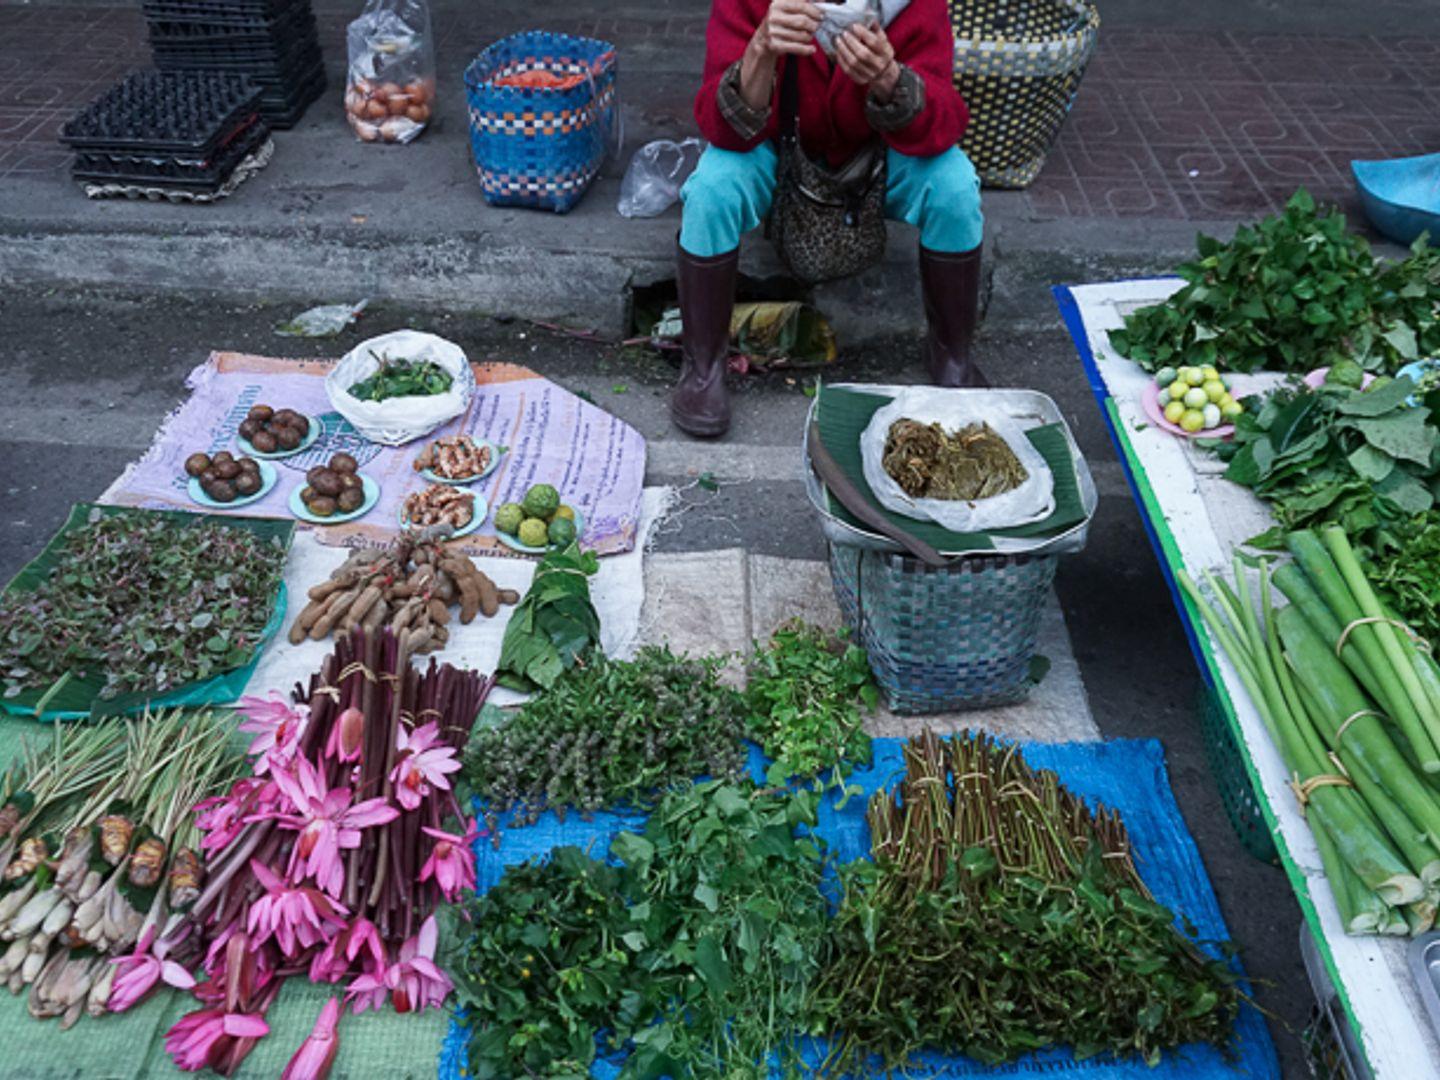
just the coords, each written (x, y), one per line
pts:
(1018, 65)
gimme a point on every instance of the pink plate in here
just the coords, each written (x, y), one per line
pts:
(1316, 378)
(1150, 401)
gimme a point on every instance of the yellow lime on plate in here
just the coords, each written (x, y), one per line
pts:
(1192, 421)
(1174, 411)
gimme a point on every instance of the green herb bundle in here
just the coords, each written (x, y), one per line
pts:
(403, 378)
(1292, 293)
(611, 732)
(804, 696)
(554, 624)
(1002, 916)
(1364, 460)
(698, 950)
(146, 603)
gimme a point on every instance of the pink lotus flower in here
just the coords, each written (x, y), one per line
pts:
(139, 973)
(294, 915)
(202, 1038)
(338, 956)
(347, 735)
(317, 1053)
(414, 980)
(277, 728)
(327, 824)
(224, 817)
(368, 991)
(420, 764)
(452, 861)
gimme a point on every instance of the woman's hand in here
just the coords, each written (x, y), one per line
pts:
(865, 54)
(788, 27)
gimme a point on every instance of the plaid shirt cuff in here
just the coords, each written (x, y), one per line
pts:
(905, 104)
(747, 122)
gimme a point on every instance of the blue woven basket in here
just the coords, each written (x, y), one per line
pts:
(540, 147)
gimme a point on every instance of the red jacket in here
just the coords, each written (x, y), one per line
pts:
(832, 107)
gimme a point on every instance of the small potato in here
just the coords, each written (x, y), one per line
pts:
(419, 113)
(265, 442)
(262, 413)
(376, 110)
(397, 104)
(389, 89)
(196, 464)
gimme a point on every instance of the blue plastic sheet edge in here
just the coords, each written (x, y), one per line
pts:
(1127, 775)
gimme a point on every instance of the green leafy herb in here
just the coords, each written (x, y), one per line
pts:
(697, 950)
(403, 378)
(1292, 293)
(146, 603)
(554, 624)
(997, 904)
(804, 697)
(610, 732)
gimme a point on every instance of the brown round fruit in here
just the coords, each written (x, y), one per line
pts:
(223, 455)
(349, 480)
(314, 471)
(284, 417)
(222, 491)
(209, 476)
(248, 428)
(196, 464)
(322, 506)
(265, 442)
(308, 495)
(326, 482)
(343, 462)
(288, 438)
(248, 483)
(226, 470)
(350, 500)
(300, 424)
(249, 464)
(260, 413)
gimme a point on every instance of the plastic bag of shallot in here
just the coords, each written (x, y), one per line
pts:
(390, 87)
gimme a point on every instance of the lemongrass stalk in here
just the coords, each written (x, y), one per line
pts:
(1364, 596)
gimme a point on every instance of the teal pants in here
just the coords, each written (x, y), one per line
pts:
(729, 194)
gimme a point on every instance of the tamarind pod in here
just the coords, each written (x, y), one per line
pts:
(439, 613)
(419, 639)
(508, 596)
(445, 587)
(338, 607)
(375, 617)
(489, 595)
(439, 635)
(458, 567)
(306, 619)
(324, 590)
(364, 602)
(402, 591)
(469, 599)
(407, 612)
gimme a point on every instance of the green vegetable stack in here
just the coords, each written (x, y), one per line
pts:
(1293, 293)
(1325, 673)
(554, 624)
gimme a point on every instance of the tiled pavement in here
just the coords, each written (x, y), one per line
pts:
(1210, 125)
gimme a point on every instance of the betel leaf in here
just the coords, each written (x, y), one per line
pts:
(555, 622)
(1403, 435)
(1372, 464)
(1407, 493)
(1377, 401)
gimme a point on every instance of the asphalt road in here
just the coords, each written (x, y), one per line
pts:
(88, 378)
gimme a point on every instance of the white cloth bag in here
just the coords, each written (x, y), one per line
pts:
(1032, 501)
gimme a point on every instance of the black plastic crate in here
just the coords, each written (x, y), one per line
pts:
(277, 35)
(221, 12)
(273, 60)
(205, 176)
(163, 112)
(284, 111)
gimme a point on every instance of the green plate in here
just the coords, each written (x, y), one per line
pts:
(311, 436)
(301, 511)
(530, 549)
(268, 479)
(480, 508)
(495, 452)
(80, 698)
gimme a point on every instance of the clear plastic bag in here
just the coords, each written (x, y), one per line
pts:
(390, 85)
(656, 172)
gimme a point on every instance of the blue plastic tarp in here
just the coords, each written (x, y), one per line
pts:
(1126, 775)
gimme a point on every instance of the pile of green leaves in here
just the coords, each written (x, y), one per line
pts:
(695, 954)
(147, 604)
(554, 624)
(804, 698)
(403, 378)
(1292, 293)
(1002, 916)
(1406, 575)
(608, 733)
(1364, 460)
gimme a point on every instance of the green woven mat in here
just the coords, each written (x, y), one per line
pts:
(844, 414)
(132, 1045)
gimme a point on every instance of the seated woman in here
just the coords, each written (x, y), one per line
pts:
(890, 81)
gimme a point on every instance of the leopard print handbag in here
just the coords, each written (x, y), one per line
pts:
(825, 223)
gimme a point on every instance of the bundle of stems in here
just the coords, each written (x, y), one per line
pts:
(99, 814)
(1352, 703)
(1002, 915)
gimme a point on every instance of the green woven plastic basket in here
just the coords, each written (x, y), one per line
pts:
(1237, 794)
(944, 639)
